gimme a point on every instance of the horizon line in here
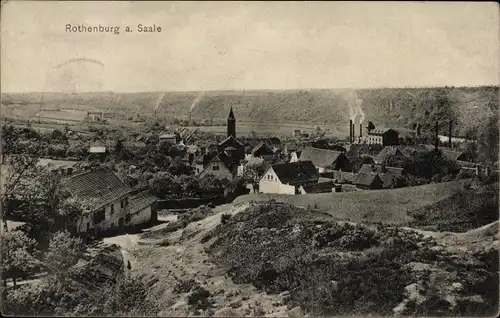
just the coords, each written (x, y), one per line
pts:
(256, 89)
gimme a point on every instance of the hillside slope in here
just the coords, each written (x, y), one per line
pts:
(403, 107)
(385, 206)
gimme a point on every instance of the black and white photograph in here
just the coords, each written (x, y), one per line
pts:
(249, 158)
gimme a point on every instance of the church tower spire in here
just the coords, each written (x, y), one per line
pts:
(231, 124)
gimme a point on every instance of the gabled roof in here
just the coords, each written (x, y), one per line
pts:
(229, 138)
(381, 131)
(225, 160)
(386, 152)
(451, 154)
(296, 172)
(262, 147)
(366, 179)
(96, 188)
(320, 187)
(319, 157)
(377, 168)
(140, 201)
(275, 141)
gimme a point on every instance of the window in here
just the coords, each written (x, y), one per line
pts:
(127, 218)
(88, 226)
(215, 167)
(112, 208)
(99, 216)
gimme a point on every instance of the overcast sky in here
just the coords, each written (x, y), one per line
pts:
(254, 45)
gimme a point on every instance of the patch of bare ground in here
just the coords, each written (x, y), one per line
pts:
(185, 282)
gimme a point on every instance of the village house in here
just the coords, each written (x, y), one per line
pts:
(63, 167)
(368, 181)
(108, 202)
(325, 160)
(388, 152)
(274, 143)
(223, 166)
(262, 150)
(98, 153)
(392, 177)
(383, 136)
(168, 138)
(287, 178)
(295, 155)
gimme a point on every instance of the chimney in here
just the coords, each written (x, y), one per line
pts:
(449, 133)
(190, 120)
(436, 143)
(360, 131)
(350, 131)
(418, 130)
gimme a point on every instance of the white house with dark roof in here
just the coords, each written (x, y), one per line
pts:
(287, 178)
(325, 160)
(108, 202)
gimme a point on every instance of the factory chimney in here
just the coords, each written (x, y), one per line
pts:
(449, 133)
(360, 131)
(436, 143)
(350, 131)
(190, 120)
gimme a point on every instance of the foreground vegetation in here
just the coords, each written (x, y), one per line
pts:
(330, 268)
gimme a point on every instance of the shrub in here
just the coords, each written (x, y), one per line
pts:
(224, 218)
(199, 298)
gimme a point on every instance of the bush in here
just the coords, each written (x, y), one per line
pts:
(199, 299)
(224, 218)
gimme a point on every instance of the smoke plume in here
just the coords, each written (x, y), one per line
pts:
(158, 101)
(355, 111)
(196, 101)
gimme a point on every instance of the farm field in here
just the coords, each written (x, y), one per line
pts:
(385, 206)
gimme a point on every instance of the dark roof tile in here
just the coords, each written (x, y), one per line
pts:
(296, 172)
(97, 187)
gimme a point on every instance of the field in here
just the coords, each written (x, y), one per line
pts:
(385, 206)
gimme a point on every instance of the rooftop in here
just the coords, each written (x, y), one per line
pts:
(296, 172)
(319, 157)
(96, 188)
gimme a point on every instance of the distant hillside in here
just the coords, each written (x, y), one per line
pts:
(402, 107)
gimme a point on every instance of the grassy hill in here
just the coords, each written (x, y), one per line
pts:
(385, 206)
(404, 107)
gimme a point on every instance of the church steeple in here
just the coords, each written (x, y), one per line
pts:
(231, 124)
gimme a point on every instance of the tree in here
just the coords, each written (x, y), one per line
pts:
(164, 184)
(63, 253)
(17, 254)
(46, 206)
(212, 186)
(252, 173)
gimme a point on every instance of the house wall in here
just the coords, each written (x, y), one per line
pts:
(270, 183)
(111, 220)
(375, 139)
(143, 216)
(294, 157)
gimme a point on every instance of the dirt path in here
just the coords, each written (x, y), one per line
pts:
(185, 259)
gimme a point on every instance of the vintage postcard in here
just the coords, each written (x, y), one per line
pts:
(249, 159)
